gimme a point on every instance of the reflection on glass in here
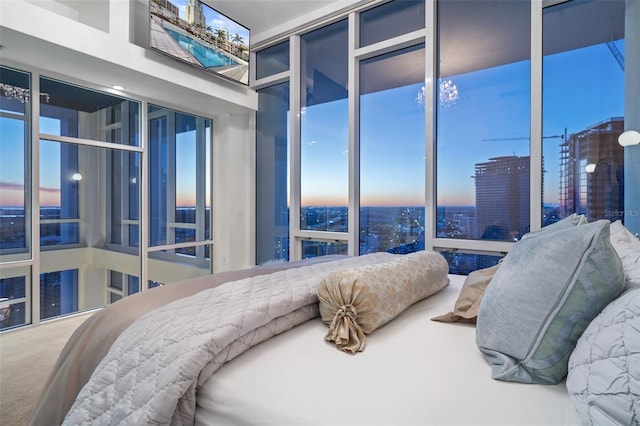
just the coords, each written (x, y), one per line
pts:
(483, 121)
(272, 60)
(58, 293)
(322, 248)
(123, 193)
(464, 263)
(173, 264)
(272, 174)
(180, 178)
(324, 125)
(14, 123)
(88, 114)
(583, 110)
(12, 302)
(390, 20)
(392, 153)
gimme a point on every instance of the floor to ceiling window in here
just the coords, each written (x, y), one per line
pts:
(583, 110)
(90, 235)
(180, 192)
(15, 212)
(483, 124)
(272, 174)
(392, 152)
(500, 167)
(89, 154)
(324, 125)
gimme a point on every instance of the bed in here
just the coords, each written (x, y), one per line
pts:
(281, 369)
(414, 371)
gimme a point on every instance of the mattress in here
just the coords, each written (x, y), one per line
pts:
(413, 371)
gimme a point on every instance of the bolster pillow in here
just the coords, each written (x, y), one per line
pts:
(356, 301)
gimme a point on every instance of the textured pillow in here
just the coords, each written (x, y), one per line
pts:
(356, 301)
(604, 369)
(541, 299)
(468, 302)
(628, 248)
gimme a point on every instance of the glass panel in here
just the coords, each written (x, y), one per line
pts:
(272, 60)
(60, 179)
(171, 265)
(13, 302)
(14, 165)
(483, 121)
(583, 110)
(133, 284)
(123, 192)
(463, 263)
(58, 293)
(324, 125)
(115, 280)
(180, 171)
(322, 248)
(392, 153)
(272, 174)
(88, 114)
(390, 20)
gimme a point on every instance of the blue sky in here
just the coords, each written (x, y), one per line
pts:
(580, 88)
(216, 20)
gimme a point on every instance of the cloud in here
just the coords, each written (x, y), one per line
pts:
(12, 186)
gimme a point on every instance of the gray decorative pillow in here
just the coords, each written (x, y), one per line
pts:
(628, 248)
(545, 293)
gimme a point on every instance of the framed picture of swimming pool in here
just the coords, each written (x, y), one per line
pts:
(196, 34)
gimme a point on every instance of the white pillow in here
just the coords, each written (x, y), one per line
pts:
(628, 248)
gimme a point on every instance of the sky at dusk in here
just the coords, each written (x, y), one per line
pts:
(580, 88)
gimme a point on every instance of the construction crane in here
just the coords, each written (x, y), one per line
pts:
(563, 137)
(616, 53)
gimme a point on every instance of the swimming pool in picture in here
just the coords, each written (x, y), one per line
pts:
(207, 56)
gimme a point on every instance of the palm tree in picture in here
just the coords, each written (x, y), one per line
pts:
(237, 43)
(221, 35)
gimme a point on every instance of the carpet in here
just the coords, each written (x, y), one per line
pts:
(27, 356)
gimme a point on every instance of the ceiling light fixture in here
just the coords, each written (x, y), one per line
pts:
(629, 138)
(21, 94)
(117, 87)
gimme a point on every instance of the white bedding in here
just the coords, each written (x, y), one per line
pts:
(413, 371)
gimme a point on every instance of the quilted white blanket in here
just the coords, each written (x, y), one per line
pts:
(153, 370)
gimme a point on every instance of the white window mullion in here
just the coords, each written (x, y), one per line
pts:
(33, 287)
(353, 245)
(201, 178)
(144, 217)
(295, 246)
(535, 168)
(171, 176)
(431, 41)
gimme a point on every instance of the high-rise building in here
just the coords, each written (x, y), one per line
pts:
(502, 198)
(592, 171)
(195, 15)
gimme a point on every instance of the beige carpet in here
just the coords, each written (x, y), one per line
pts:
(26, 359)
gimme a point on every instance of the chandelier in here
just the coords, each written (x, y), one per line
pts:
(18, 93)
(447, 91)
